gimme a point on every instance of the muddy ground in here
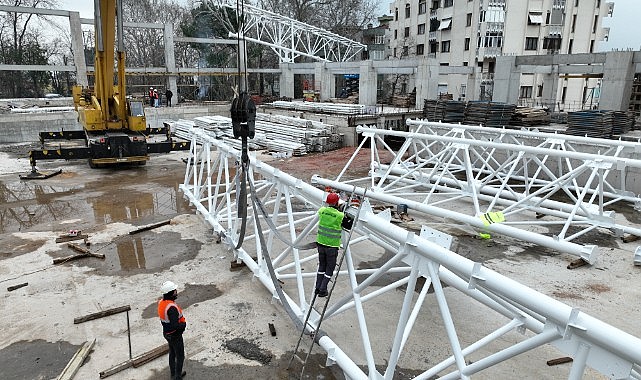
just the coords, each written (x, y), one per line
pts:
(228, 314)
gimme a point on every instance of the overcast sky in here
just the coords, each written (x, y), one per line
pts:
(625, 24)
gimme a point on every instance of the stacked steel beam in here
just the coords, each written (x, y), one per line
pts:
(447, 111)
(289, 135)
(337, 108)
(591, 123)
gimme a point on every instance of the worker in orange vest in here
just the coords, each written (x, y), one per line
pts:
(173, 325)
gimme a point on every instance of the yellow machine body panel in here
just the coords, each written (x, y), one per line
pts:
(137, 123)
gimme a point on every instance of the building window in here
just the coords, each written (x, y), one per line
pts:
(379, 40)
(395, 34)
(469, 20)
(467, 43)
(396, 15)
(596, 23)
(531, 43)
(448, 3)
(552, 43)
(535, 18)
(406, 32)
(446, 24)
(576, 3)
(525, 92)
(421, 29)
(564, 92)
(598, 3)
(570, 46)
(394, 52)
(407, 11)
(422, 7)
(592, 46)
(433, 47)
(493, 39)
(547, 18)
(540, 91)
(420, 49)
(465, 63)
(573, 23)
(435, 4)
(406, 51)
(445, 47)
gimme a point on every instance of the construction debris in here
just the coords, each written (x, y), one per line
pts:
(136, 361)
(69, 237)
(101, 314)
(76, 361)
(14, 287)
(529, 117)
(577, 263)
(563, 360)
(150, 227)
(83, 253)
(272, 329)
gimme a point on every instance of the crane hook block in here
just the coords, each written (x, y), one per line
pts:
(243, 116)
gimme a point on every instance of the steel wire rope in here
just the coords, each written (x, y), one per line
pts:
(241, 201)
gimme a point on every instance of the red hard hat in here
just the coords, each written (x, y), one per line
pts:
(332, 199)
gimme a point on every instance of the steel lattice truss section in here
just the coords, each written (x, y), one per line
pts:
(539, 181)
(530, 319)
(290, 38)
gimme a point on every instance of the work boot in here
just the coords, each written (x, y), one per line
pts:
(322, 293)
(182, 374)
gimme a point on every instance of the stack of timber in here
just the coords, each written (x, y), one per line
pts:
(528, 116)
(336, 108)
(489, 114)
(403, 101)
(446, 111)
(597, 124)
(293, 136)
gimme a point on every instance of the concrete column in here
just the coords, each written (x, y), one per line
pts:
(78, 49)
(325, 80)
(286, 80)
(426, 81)
(550, 87)
(367, 84)
(618, 76)
(170, 62)
(507, 80)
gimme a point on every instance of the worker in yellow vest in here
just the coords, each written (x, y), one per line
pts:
(328, 240)
(173, 325)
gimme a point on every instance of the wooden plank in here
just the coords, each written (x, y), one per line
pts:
(150, 355)
(65, 238)
(117, 368)
(136, 361)
(76, 361)
(150, 227)
(14, 287)
(61, 260)
(78, 248)
(558, 361)
(101, 314)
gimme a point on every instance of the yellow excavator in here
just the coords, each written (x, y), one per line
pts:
(114, 128)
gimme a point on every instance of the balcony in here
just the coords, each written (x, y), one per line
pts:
(491, 52)
(558, 4)
(432, 36)
(487, 78)
(433, 13)
(555, 30)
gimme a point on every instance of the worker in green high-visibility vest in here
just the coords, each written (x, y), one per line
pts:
(328, 240)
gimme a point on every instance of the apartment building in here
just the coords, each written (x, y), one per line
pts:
(475, 32)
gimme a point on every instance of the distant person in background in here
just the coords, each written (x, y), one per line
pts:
(156, 97)
(151, 96)
(169, 94)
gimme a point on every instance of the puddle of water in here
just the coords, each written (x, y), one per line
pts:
(144, 253)
(116, 196)
(37, 359)
(192, 294)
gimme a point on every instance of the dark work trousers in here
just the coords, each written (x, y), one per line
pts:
(326, 264)
(176, 355)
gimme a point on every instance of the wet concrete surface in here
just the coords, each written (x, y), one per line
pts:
(193, 294)
(35, 360)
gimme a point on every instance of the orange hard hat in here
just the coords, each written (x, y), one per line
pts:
(332, 199)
